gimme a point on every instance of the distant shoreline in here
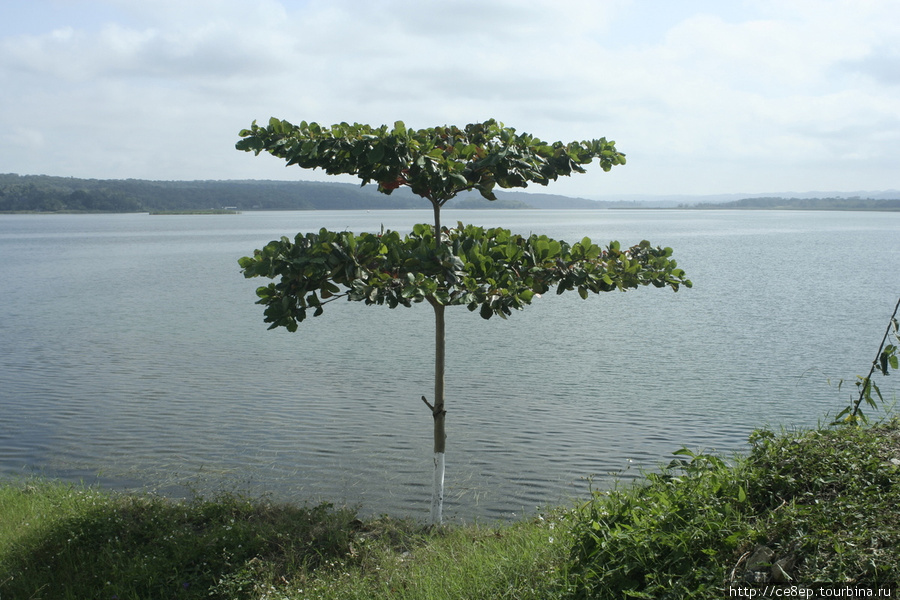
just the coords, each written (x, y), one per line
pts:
(758, 208)
(63, 195)
(488, 207)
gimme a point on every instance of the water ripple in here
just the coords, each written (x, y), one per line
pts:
(133, 356)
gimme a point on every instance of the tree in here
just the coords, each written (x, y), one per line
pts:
(490, 270)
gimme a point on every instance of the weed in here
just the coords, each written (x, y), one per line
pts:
(669, 537)
(816, 506)
(830, 497)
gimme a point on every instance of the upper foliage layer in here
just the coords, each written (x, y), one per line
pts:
(492, 270)
(436, 163)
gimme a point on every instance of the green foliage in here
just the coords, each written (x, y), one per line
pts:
(56, 194)
(823, 501)
(436, 163)
(886, 359)
(490, 270)
(830, 497)
(673, 536)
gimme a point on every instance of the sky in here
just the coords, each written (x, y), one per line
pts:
(703, 96)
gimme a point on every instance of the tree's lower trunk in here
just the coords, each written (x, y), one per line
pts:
(437, 493)
(438, 412)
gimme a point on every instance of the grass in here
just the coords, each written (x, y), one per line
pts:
(823, 504)
(63, 541)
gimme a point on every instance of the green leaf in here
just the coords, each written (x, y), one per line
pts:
(683, 452)
(486, 311)
(375, 155)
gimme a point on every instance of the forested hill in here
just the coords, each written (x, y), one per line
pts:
(44, 193)
(776, 203)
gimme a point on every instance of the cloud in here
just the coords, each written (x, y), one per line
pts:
(881, 66)
(702, 96)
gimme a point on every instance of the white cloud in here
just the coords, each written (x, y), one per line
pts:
(702, 96)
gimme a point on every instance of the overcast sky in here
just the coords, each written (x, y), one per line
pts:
(703, 97)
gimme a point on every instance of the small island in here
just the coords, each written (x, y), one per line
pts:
(210, 211)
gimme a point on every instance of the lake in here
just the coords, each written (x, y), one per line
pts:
(133, 356)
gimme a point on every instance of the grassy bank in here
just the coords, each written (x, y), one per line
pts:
(815, 506)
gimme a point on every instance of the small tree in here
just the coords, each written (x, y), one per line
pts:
(489, 270)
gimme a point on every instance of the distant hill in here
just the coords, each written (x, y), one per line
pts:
(690, 200)
(45, 193)
(778, 203)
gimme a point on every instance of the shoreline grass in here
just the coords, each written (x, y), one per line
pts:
(821, 505)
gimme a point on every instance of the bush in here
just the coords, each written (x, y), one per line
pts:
(817, 506)
(669, 537)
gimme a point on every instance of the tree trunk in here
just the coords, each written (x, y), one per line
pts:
(437, 222)
(438, 412)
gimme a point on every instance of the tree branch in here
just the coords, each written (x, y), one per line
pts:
(867, 382)
(334, 297)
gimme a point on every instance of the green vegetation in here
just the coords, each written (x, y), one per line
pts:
(491, 270)
(803, 507)
(58, 194)
(45, 193)
(809, 506)
(42, 193)
(887, 358)
(61, 542)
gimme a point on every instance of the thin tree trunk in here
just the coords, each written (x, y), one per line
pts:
(437, 222)
(438, 412)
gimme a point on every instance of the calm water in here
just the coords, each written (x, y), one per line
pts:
(132, 355)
